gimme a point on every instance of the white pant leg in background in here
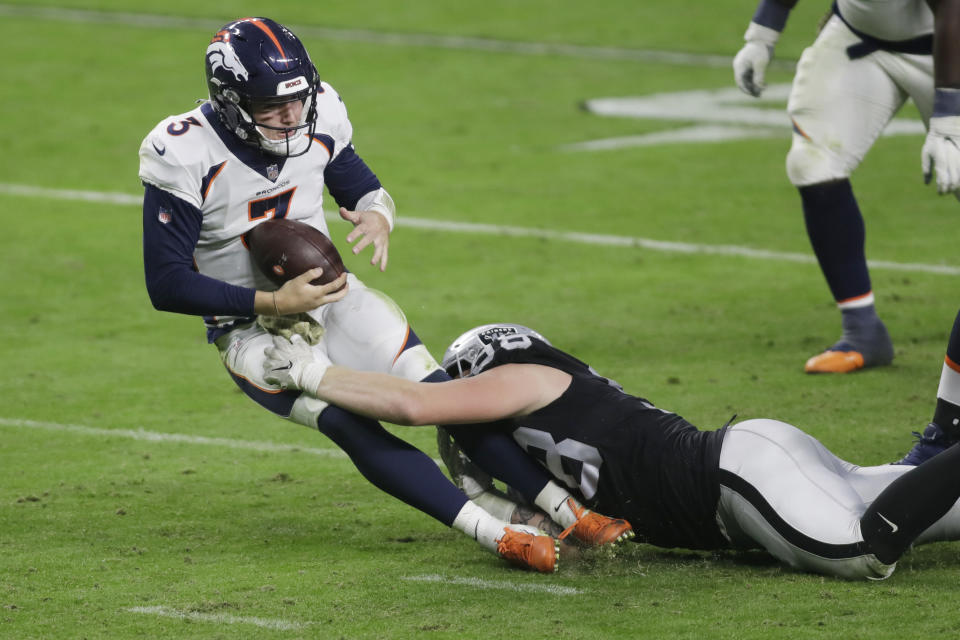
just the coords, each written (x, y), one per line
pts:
(840, 106)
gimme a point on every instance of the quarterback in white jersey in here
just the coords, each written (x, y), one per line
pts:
(264, 145)
(194, 157)
(869, 58)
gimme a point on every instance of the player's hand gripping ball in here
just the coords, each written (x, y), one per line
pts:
(283, 249)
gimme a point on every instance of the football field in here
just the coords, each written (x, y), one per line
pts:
(586, 169)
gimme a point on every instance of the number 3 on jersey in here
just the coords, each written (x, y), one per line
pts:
(276, 206)
(574, 463)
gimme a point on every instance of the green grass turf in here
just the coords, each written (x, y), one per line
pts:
(93, 525)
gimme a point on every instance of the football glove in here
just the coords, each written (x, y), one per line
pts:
(750, 63)
(941, 153)
(293, 364)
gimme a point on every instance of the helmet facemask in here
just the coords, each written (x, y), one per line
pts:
(462, 356)
(237, 113)
(293, 140)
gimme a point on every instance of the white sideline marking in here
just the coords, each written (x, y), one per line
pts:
(521, 232)
(154, 436)
(497, 584)
(436, 41)
(220, 618)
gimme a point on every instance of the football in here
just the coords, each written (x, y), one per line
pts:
(283, 249)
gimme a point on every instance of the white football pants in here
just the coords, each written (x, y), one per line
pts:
(840, 106)
(783, 491)
(366, 330)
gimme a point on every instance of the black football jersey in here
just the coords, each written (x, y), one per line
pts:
(625, 457)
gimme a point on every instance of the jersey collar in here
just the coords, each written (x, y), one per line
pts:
(269, 166)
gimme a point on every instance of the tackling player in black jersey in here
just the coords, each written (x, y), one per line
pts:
(755, 484)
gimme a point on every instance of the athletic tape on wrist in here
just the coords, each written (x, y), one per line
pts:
(764, 35)
(381, 202)
(311, 376)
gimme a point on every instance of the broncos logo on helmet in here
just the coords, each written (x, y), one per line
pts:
(221, 55)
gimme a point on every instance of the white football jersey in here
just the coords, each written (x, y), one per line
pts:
(233, 186)
(888, 19)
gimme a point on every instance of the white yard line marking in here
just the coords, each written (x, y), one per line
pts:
(521, 232)
(221, 618)
(497, 584)
(157, 436)
(105, 197)
(436, 41)
(154, 436)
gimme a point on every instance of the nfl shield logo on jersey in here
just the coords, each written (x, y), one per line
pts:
(164, 216)
(272, 172)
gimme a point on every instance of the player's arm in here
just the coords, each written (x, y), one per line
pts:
(298, 295)
(946, 43)
(506, 391)
(363, 202)
(941, 150)
(503, 392)
(171, 228)
(750, 63)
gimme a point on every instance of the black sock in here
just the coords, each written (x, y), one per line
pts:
(837, 234)
(947, 417)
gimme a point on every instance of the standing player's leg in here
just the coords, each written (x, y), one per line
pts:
(944, 429)
(918, 505)
(839, 107)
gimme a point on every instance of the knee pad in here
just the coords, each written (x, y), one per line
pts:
(811, 163)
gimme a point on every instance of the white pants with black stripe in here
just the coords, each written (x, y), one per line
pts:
(783, 491)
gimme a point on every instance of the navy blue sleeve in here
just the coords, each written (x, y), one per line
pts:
(171, 227)
(773, 13)
(348, 178)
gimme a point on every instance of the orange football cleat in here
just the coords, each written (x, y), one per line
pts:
(529, 550)
(595, 530)
(831, 361)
